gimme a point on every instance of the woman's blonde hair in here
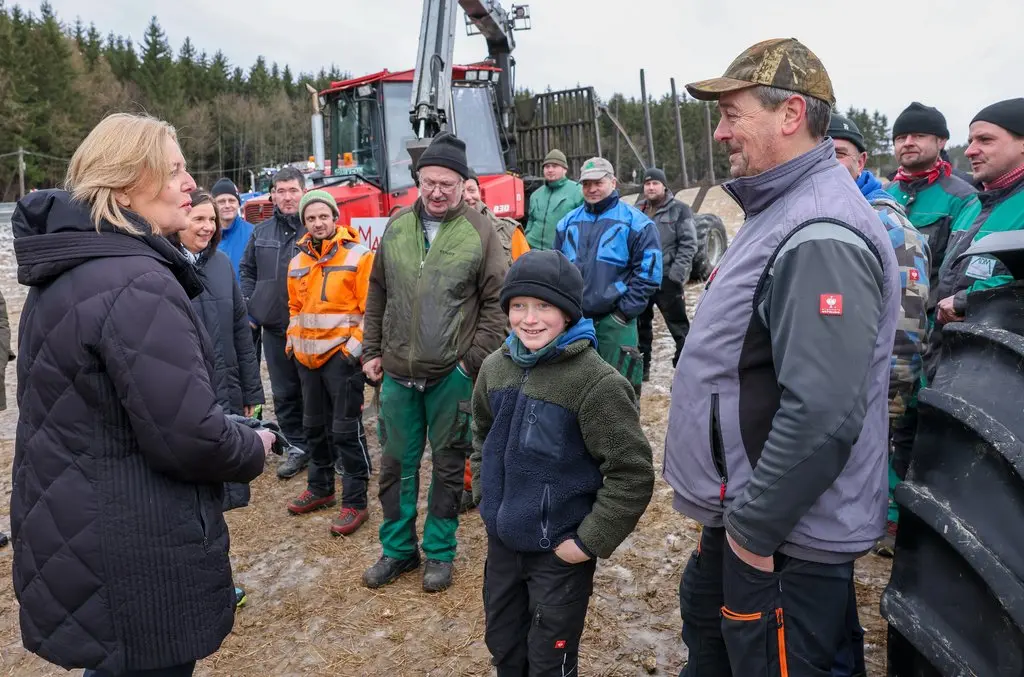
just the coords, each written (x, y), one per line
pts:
(121, 154)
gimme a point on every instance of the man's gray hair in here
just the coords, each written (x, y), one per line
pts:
(818, 111)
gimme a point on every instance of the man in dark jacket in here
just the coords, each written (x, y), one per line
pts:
(678, 245)
(264, 272)
(432, 316)
(120, 545)
(618, 251)
(777, 431)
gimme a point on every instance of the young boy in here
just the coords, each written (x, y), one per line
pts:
(561, 468)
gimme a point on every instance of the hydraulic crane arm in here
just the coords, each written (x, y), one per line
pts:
(432, 81)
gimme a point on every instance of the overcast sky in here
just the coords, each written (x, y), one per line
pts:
(957, 55)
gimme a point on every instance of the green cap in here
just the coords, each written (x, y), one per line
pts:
(318, 196)
(781, 62)
(555, 157)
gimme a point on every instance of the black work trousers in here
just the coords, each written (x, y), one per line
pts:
(285, 387)
(535, 606)
(738, 620)
(332, 416)
(672, 304)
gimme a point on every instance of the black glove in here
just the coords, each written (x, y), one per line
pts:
(281, 444)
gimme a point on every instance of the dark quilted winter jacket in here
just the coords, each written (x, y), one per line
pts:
(236, 375)
(120, 546)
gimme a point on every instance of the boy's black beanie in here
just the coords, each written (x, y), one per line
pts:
(547, 275)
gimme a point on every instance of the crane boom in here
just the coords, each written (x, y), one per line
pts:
(431, 101)
(432, 81)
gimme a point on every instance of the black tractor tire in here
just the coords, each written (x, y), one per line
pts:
(955, 601)
(712, 241)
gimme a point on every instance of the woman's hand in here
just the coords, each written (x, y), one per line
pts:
(570, 553)
(267, 438)
(248, 410)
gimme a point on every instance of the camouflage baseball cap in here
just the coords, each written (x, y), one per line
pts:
(781, 62)
(595, 169)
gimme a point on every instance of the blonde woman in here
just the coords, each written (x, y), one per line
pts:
(120, 547)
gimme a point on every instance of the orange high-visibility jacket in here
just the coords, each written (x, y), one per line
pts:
(327, 298)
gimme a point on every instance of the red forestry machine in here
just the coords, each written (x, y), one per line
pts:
(373, 148)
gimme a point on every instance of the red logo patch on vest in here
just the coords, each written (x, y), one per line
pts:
(831, 304)
(914, 275)
(560, 644)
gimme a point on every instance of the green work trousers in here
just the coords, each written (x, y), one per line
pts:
(617, 344)
(407, 419)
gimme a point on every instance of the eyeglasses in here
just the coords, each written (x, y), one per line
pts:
(446, 187)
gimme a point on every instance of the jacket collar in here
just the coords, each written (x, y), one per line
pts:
(604, 205)
(756, 193)
(330, 245)
(990, 198)
(669, 199)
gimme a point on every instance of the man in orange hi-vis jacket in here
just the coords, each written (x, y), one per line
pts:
(327, 285)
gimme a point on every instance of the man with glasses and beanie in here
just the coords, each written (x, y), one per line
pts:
(432, 316)
(618, 251)
(777, 431)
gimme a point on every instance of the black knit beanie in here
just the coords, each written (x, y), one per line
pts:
(547, 275)
(446, 150)
(842, 127)
(224, 186)
(920, 119)
(1008, 114)
(655, 174)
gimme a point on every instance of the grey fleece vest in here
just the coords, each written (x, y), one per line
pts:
(850, 516)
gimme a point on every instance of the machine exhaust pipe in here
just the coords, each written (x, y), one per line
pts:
(317, 124)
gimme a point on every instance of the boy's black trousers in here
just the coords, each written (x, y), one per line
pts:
(535, 606)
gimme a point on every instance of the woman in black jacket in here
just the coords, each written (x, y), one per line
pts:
(221, 309)
(122, 450)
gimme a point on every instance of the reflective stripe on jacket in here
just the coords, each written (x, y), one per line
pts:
(327, 298)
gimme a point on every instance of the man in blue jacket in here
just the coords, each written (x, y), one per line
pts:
(618, 251)
(235, 230)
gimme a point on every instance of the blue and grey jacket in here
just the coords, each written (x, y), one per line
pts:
(618, 251)
(778, 427)
(913, 258)
(558, 451)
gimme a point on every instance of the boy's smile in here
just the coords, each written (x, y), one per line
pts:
(536, 322)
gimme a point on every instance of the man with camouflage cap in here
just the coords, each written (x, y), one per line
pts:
(777, 432)
(617, 249)
(548, 204)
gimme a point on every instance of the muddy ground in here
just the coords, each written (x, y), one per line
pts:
(308, 613)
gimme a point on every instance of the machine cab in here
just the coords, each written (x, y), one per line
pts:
(368, 128)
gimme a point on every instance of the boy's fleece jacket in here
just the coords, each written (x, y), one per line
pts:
(558, 451)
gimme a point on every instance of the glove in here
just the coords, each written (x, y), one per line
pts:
(281, 444)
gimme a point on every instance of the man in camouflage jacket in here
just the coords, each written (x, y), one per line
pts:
(913, 256)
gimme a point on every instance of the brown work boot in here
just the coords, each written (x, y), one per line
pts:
(308, 502)
(348, 521)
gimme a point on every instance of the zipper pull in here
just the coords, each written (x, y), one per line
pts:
(721, 494)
